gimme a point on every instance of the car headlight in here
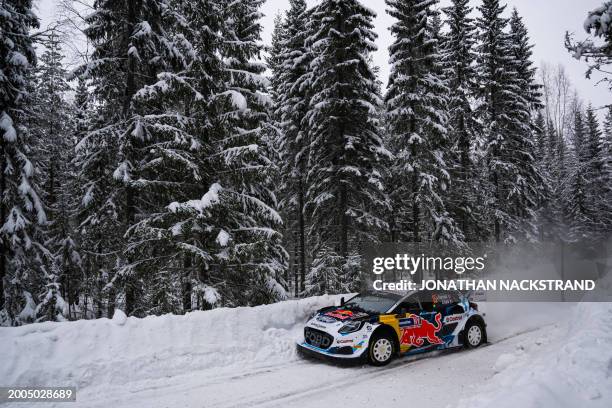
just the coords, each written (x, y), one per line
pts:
(351, 327)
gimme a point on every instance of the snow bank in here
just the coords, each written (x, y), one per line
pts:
(114, 351)
(573, 370)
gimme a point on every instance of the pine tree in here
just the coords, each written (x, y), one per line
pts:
(81, 289)
(54, 139)
(606, 154)
(579, 215)
(545, 216)
(458, 56)
(274, 60)
(530, 182)
(415, 109)
(290, 109)
(22, 212)
(247, 150)
(513, 178)
(344, 196)
(606, 146)
(168, 248)
(526, 72)
(596, 178)
(541, 138)
(134, 57)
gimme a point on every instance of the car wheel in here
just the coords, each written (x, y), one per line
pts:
(381, 350)
(473, 334)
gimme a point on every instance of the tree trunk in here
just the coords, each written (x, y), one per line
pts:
(110, 307)
(302, 226)
(416, 213)
(3, 249)
(187, 285)
(129, 281)
(465, 175)
(497, 226)
(295, 265)
(130, 89)
(343, 223)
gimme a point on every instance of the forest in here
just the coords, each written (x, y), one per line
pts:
(185, 165)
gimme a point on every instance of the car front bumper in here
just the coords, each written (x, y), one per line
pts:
(308, 350)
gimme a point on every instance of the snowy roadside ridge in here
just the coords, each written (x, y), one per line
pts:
(119, 350)
(572, 371)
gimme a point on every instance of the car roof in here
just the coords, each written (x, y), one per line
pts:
(385, 294)
(406, 294)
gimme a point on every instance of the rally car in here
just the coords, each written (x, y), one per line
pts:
(378, 326)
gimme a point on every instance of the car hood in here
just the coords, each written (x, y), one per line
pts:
(340, 314)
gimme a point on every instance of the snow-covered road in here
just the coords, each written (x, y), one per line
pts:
(434, 380)
(245, 357)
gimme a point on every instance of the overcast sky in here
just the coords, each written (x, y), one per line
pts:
(547, 21)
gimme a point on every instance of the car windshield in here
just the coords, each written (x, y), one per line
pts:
(372, 302)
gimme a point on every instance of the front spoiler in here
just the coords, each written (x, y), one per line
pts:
(307, 350)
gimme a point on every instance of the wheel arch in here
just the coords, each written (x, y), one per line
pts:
(478, 320)
(387, 330)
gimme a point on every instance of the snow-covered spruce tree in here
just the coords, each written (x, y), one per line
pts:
(607, 132)
(530, 90)
(458, 56)
(596, 177)
(177, 133)
(545, 216)
(172, 248)
(291, 106)
(606, 150)
(325, 275)
(526, 72)
(257, 258)
(51, 126)
(80, 291)
(597, 55)
(274, 59)
(559, 166)
(606, 154)
(120, 151)
(541, 138)
(434, 32)
(211, 243)
(22, 213)
(344, 194)
(578, 213)
(96, 212)
(274, 139)
(416, 111)
(224, 234)
(513, 178)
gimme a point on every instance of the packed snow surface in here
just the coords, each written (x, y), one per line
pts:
(541, 354)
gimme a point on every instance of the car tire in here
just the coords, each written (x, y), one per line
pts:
(381, 349)
(473, 334)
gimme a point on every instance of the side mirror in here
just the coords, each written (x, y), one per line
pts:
(342, 301)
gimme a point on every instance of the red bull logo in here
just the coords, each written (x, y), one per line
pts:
(422, 329)
(340, 314)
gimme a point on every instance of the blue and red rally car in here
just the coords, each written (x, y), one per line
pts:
(378, 326)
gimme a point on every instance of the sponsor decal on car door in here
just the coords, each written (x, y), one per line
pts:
(416, 330)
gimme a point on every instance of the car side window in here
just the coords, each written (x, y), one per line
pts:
(446, 297)
(409, 305)
(429, 301)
